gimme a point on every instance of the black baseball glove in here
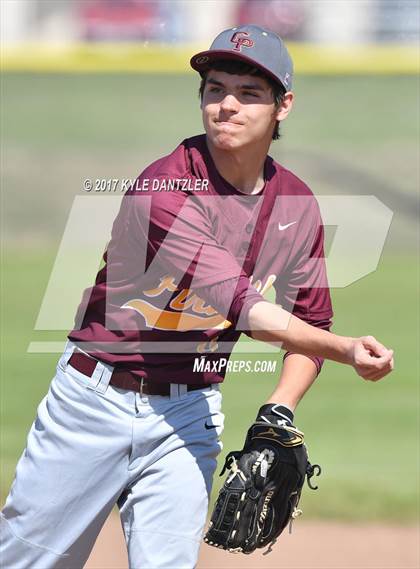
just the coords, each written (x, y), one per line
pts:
(261, 493)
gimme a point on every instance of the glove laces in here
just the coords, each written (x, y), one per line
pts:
(312, 470)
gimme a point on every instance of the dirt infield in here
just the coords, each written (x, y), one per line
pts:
(312, 545)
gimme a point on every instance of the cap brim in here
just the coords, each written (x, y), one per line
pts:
(216, 54)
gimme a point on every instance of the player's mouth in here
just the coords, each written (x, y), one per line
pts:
(230, 123)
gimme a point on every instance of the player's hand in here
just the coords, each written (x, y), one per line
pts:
(371, 359)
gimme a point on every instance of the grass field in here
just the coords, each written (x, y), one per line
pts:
(347, 135)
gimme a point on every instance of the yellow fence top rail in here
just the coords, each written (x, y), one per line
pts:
(137, 58)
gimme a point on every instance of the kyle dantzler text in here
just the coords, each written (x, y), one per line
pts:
(162, 185)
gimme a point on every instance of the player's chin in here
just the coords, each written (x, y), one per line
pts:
(225, 141)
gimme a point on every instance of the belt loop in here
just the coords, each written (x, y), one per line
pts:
(174, 391)
(96, 377)
(67, 353)
(143, 398)
(183, 389)
(101, 377)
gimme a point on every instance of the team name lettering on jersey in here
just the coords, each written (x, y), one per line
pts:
(188, 311)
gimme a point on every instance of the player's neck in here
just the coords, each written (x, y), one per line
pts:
(243, 169)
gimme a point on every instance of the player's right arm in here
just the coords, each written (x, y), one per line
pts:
(272, 324)
(179, 231)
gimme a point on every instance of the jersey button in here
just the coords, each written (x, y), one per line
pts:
(249, 228)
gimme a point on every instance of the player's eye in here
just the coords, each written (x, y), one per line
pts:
(250, 94)
(214, 89)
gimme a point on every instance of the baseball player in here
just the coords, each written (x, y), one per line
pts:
(133, 415)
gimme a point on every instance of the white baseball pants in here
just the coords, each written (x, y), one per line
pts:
(93, 445)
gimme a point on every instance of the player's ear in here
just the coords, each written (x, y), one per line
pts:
(285, 106)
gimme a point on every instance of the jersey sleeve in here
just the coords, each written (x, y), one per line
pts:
(244, 297)
(303, 290)
(178, 231)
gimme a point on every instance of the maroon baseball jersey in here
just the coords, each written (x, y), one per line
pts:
(189, 256)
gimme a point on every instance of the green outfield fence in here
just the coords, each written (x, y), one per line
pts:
(153, 58)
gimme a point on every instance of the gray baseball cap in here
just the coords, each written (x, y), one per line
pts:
(254, 45)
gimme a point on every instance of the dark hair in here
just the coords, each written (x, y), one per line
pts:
(236, 67)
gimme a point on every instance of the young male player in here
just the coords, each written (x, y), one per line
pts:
(133, 416)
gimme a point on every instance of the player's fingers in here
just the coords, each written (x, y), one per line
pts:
(368, 363)
(375, 375)
(381, 362)
(376, 369)
(368, 375)
(375, 348)
(391, 364)
(379, 376)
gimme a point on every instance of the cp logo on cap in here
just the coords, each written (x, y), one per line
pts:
(241, 39)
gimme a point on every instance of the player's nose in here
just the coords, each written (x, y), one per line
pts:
(229, 103)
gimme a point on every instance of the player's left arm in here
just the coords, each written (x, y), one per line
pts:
(309, 301)
(297, 375)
